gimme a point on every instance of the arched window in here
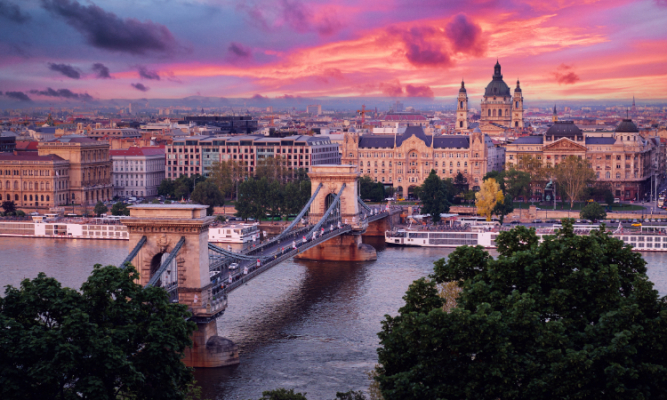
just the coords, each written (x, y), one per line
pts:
(607, 175)
(47, 185)
(460, 124)
(494, 112)
(516, 105)
(41, 185)
(16, 197)
(597, 175)
(350, 155)
(48, 198)
(16, 185)
(458, 163)
(461, 104)
(41, 198)
(618, 176)
(489, 112)
(507, 113)
(25, 197)
(465, 164)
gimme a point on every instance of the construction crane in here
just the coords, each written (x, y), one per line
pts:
(362, 112)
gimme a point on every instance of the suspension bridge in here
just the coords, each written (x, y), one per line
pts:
(170, 249)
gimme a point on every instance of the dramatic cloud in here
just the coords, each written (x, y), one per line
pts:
(391, 89)
(64, 93)
(101, 71)
(564, 75)
(259, 98)
(296, 15)
(328, 25)
(145, 73)
(140, 87)
(465, 36)
(330, 73)
(418, 91)
(107, 31)
(12, 12)
(20, 96)
(423, 47)
(66, 70)
(239, 51)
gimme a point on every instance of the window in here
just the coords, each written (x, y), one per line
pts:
(608, 175)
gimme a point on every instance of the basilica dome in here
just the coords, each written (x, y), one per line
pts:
(497, 87)
(627, 126)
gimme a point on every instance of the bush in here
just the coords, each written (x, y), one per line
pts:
(20, 213)
(220, 218)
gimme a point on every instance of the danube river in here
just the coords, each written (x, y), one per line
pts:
(311, 326)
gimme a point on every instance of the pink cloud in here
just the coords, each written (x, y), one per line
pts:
(423, 46)
(391, 89)
(466, 36)
(418, 91)
(565, 76)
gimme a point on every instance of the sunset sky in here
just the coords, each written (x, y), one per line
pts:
(105, 49)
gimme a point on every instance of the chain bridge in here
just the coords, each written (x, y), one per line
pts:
(170, 249)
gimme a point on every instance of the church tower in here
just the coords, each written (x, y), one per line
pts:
(517, 107)
(462, 110)
(554, 118)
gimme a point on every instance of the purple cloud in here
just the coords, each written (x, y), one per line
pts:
(420, 48)
(20, 96)
(101, 71)
(418, 91)
(145, 73)
(12, 12)
(140, 87)
(66, 70)
(106, 31)
(465, 36)
(391, 89)
(64, 93)
(239, 51)
(565, 75)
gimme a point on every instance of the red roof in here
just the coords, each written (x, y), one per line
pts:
(24, 145)
(139, 151)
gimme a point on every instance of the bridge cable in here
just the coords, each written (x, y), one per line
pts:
(166, 263)
(334, 203)
(364, 205)
(301, 214)
(134, 252)
(232, 254)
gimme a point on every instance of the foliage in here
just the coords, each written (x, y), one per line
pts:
(600, 191)
(19, 213)
(120, 208)
(516, 183)
(259, 197)
(111, 339)
(503, 207)
(573, 174)
(433, 195)
(227, 176)
(351, 395)
(449, 292)
(9, 206)
(374, 392)
(593, 211)
(461, 183)
(534, 167)
(208, 194)
(166, 188)
(220, 218)
(572, 317)
(487, 197)
(373, 191)
(100, 208)
(282, 394)
(155, 201)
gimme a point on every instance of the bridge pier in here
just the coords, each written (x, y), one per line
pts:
(341, 248)
(210, 350)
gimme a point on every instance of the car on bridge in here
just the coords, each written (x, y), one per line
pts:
(233, 266)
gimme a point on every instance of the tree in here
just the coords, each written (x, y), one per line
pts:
(572, 175)
(166, 188)
(282, 394)
(433, 196)
(461, 183)
(351, 395)
(9, 206)
(227, 175)
(120, 209)
(251, 202)
(503, 207)
(516, 183)
(112, 339)
(572, 317)
(100, 208)
(487, 197)
(593, 211)
(208, 194)
(370, 190)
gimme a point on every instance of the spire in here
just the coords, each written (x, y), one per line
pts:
(463, 86)
(496, 71)
(518, 85)
(555, 116)
(633, 100)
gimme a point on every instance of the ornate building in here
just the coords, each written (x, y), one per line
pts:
(623, 158)
(405, 160)
(500, 110)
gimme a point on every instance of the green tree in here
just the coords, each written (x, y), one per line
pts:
(112, 339)
(227, 175)
(166, 188)
(251, 202)
(572, 175)
(9, 206)
(120, 209)
(100, 208)
(593, 211)
(207, 193)
(433, 195)
(503, 208)
(573, 317)
(282, 394)
(370, 190)
(351, 395)
(516, 183)
(461, 183)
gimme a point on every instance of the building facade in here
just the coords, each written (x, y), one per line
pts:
(31, 180)
(196, 154)
(90, 167)
(405, 160)
(500, 110)
(137, 171)
(623, 159)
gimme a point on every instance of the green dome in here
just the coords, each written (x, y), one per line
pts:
(497, 87)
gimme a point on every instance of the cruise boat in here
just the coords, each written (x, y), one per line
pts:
(64, 230)
(647, 238)
(236, 233)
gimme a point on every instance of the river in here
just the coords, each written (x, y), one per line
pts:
(306, 325)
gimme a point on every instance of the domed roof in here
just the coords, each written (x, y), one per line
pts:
(497, 87)
(477, 130)
(627, 126)
(564, 129)
(463, 88)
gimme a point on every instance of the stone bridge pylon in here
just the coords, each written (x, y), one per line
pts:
(182, 228)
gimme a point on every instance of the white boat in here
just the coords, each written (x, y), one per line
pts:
(236, 233)
(64, 230)
(648, 238)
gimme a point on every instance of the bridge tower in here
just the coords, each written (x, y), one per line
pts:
(184, 228)
(344, 247)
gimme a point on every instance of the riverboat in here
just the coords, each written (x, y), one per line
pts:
(236, 233)
(64, 230)
(646, 238)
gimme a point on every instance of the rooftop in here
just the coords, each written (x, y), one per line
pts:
(138, 151)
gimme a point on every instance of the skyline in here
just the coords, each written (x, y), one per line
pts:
(160, 49)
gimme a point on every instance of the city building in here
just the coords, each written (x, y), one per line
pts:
(405, 160)
(623, 159)
(404, 118)
(228, 124)
(7, 141)
(89, 167)
(32, 180)
(315, 109)
(196, 154)
(137, 171)
(500, 110)
(116, 133)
